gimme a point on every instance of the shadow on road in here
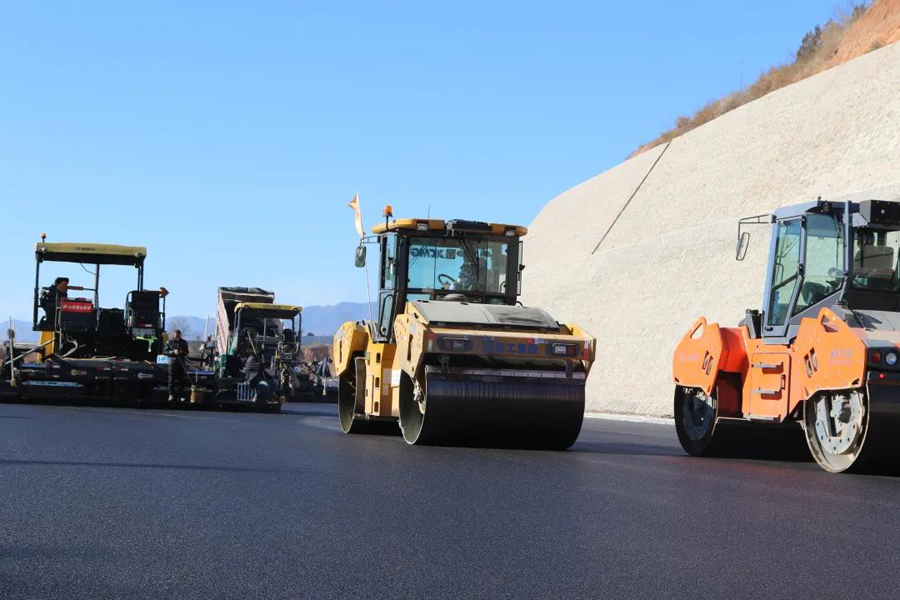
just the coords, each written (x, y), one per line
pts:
(626, 449)
(87, 402)
(307, 412)
(60, 463)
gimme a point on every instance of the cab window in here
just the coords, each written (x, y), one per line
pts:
(875, 254)
(823, 270)
(785, 271)
(389, 258)
(475, 265)
(386, 316)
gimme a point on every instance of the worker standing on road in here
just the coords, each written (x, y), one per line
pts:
(177, 351)
(323, 372)
(255, 370)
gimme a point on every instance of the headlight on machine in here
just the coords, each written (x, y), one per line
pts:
(564, 349)
(456, 344)
(890, 359)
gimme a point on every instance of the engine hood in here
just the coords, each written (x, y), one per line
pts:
(483, 316)
(877, 328)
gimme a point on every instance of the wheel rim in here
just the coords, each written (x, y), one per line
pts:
(836, 428)
(346, 402)
(412, 409)
(698, 415)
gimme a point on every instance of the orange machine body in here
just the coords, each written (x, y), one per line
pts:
(769, 381)
(823, 350)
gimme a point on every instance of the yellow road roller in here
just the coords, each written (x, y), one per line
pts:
(452, 356)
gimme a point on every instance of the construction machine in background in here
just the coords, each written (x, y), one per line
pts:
(452, 357)
(824, 351)
(87, 352)
(249, 322)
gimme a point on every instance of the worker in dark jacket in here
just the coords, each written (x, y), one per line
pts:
(62, 288)
(323, 372)
(177, 351)
(255, 370)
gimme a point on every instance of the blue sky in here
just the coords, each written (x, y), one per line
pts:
(228, 137)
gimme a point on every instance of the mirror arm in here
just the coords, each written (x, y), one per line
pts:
(743, 241)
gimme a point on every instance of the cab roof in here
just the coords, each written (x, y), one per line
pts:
(435, 225)
(95, 254)
(275, 311)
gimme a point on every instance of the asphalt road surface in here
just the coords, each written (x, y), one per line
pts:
(118, 503)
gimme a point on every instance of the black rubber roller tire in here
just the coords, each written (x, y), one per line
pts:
(512, 412)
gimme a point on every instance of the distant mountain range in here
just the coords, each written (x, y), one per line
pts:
(317, 320)
(321, 321)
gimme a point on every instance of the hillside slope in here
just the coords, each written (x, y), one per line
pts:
(878, 27)
(858, 29)
(669, 258)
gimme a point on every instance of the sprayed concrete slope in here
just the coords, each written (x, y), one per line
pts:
(669, 258)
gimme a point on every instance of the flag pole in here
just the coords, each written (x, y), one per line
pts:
(369, 295)
(354, 204)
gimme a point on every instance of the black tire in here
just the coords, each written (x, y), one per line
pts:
(350, 421)
(695, 420)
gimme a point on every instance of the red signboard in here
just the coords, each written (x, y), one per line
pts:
(72, 306)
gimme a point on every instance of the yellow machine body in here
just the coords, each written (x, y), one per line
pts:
(453, 369)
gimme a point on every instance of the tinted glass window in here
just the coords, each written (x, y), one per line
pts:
(385, 319)
(785, 271)
(462, 265)
(875, 254)
(823, 272)
(389, 256)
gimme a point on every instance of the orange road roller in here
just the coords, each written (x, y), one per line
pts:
(823, 352)
(451, 356)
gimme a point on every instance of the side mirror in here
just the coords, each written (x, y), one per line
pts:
(360, 257)
(742, 245)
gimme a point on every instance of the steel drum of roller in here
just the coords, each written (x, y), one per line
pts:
(478, 407)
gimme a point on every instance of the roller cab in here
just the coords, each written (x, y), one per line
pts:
(821, 353)
(452, 357)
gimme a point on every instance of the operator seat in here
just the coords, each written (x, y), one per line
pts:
(753, 321)
(47, 303)
(142, 309)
